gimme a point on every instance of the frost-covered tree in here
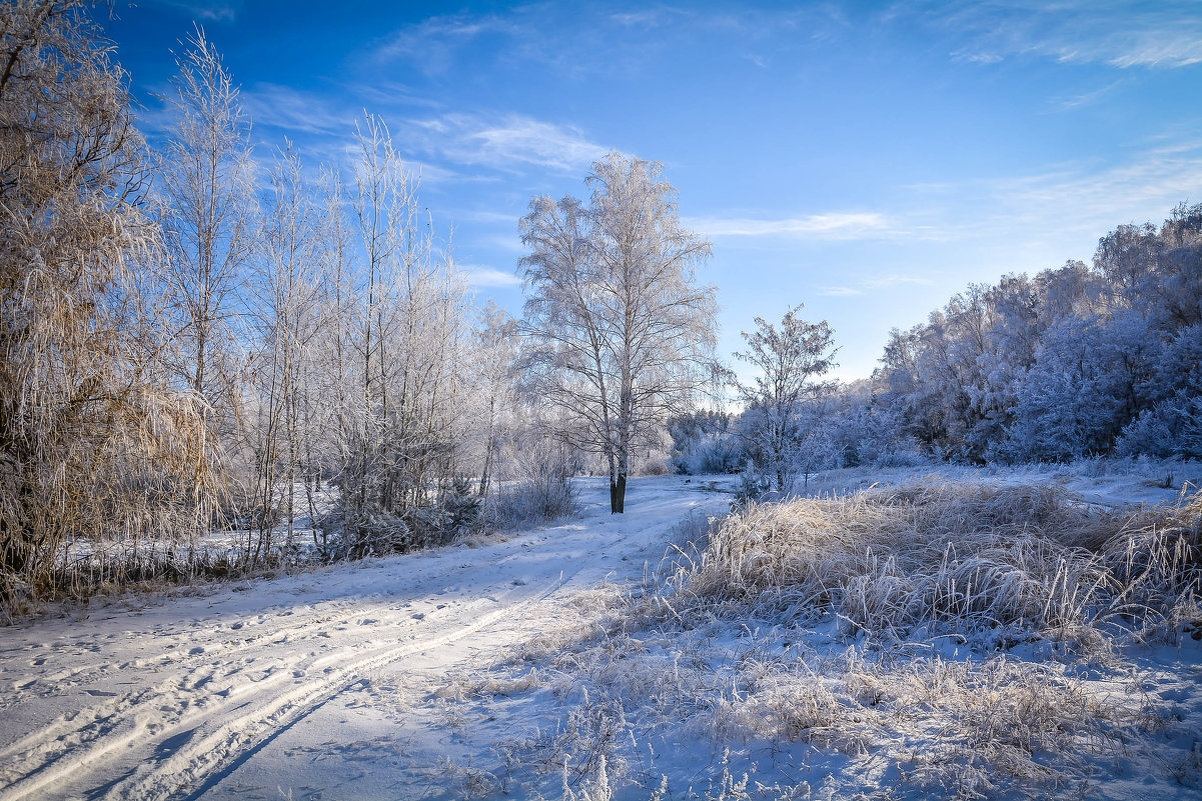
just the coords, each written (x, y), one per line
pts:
(705, 441)
(287, 321)
(205, 177)
(406, 331)
(496, 351)
(620, 333)
(1172, 424)
(92, 440)
(1062, 364)
(866, 430)
(791, 363)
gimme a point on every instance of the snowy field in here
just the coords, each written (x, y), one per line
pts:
(548, 664)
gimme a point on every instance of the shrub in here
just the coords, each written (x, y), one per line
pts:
(534, 500)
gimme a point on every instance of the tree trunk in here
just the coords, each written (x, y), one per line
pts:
(617, 483)
(617, 494)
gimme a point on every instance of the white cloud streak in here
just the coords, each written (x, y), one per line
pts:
(434, 44)
(1087, 198)
(873, 284)
(1122, 33)
(509, 143)
(1071, 201)
(855, 225)
(292, 110)
(893, 279)
(207, 10)
(481, 276)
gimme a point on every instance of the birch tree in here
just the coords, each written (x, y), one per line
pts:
(620, 333)
(286, 312)
(495, 352)
(206, 173)
(405, 343)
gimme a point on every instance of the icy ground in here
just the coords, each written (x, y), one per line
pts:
(396, 678)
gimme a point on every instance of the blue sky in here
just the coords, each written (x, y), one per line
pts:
(866, 159)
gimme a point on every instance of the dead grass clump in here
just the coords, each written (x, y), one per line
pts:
(964, 729)
(728, 653)
(591, 734)
(999, 722)
(1158, 563)
(947, 556)
(786, 705)
(462, 688)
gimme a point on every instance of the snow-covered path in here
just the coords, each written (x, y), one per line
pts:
(265, 686)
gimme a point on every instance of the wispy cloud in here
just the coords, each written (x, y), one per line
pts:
(574, 39)
(481, 276)
(875, 283)
(490, 217)
(894, 279)
(1056, 213)
(293, 110)
(386, 94)
(1121, 33)
(434, 43)
(511, 242)
(854, 225)
(1092, 197)
(207, 10)
(1086, 98)
(647, 18)
(508, 143)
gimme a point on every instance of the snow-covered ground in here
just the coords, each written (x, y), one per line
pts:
(473, 671)
(1105, 482)
(643, 701)
(301, 684)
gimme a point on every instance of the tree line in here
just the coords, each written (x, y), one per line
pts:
(197, 339)
(1089, 359)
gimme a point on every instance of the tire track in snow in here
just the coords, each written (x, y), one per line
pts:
(208, 760)
(195, 668)
(180, 699)
(193, 646)
(191, 730)
(66, 751)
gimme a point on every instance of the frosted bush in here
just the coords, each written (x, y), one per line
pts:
(535, 500)
(1173, 427)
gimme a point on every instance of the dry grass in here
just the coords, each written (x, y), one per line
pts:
(932, 640)
(941, 556)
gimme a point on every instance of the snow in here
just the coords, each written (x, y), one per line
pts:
(477, 670)
(300, 681)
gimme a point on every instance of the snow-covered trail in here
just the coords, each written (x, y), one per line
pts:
(209, 696)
